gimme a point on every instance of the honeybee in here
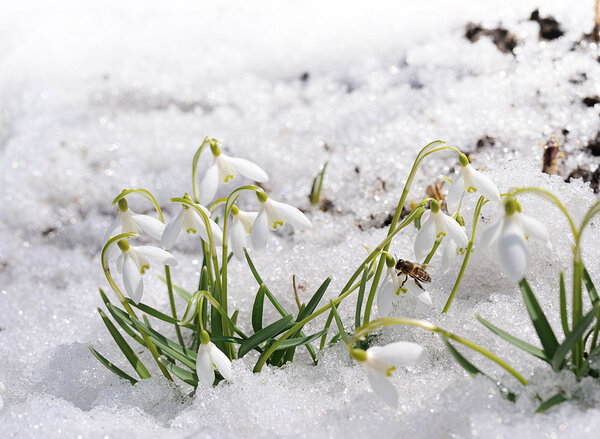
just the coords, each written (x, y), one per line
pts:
(414, 270)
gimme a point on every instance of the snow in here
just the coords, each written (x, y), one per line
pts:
(95, 98)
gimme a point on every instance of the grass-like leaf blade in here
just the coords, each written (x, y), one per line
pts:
(257, 309)
(264, 334)
(529, 348)
(361, 295)
(556, 399)
(184, 375)
(466, 364)
(152, 312)
(563, 305)
(181, 292)
(314, 301)
(338, 322)
(589, 285)
(539, 320)
(298, 341)
(133, 359)
(110, 366)
(574, 337)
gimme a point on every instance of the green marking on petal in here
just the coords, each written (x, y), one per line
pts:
(277, 224)
(389, 371)
(190, 230)
(228, 178)
(144, 267)
(402, 290)
(440, 235)
(471, 189)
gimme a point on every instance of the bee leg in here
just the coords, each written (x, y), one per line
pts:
(419, 285)
(404, 281)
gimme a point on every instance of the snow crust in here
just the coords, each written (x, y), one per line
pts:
(120, 94)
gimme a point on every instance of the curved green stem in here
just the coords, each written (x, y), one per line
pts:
(149, 344)
(429, 149)
(468, 252)
(195, 190)
(389, 321)
(146, 194)
(172, 303)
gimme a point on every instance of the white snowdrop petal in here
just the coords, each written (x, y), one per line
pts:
(204, 366)
(292, 215)
(455, 193)
(114, 229)
(221, 362)
(209, 185)
(449, 256)
(490, 235)
(400, 353)
(248, 169)
(156, 255)
(246, 219)
(455, 232)
(383, 387)
(485, 185)
(239, 239)
(260, 229)
(425, 298)
(151, 226)
(172, 231)
(514, 255)
(128, 225)
(385, 297)
(132, 279)
(534, 228)
(425, 237)
(120, 262)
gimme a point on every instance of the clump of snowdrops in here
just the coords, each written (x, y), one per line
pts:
(207, 336)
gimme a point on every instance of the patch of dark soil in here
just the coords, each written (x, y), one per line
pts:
(549, 27)
(594, 145)
(485, 142)
(593, 178)
(590, 101)
(304, 77)
(552, 156)
(376, 220)
(504, 40)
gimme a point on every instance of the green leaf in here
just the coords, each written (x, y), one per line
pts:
(339, 323)
(529, 348)
(539, 320)
(466, 364)
(125, 348)
(361, 295)
(589, 285)
(181, 292)
(264, 334)
(563, 305)
(574, 337)
(191, 310)
(556, 399)
(314, 301)
(110, 366)
(257, 309)
(153, 312)
(184, 375)
(298, 341)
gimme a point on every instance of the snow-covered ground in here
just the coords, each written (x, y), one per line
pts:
(95, 98)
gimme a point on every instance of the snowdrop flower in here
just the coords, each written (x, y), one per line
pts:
(451, 254)
(241, 227)
(209, 358)
(470, 180)
(271, 216)
(223, 170)
(189, 220)
(395, 283)
(133, 263)
(381, 361)
(434, 225)
(509, 235)
(130, 222)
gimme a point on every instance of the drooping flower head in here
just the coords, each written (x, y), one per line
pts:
(395, 283)
(241, 227)
(508, 236)
(189, 220)
(224, 169)
(210, 358)
(133, 263)
(128, 221)
(271, 216)
(381, 361)
(436, 224)
(470, 180)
